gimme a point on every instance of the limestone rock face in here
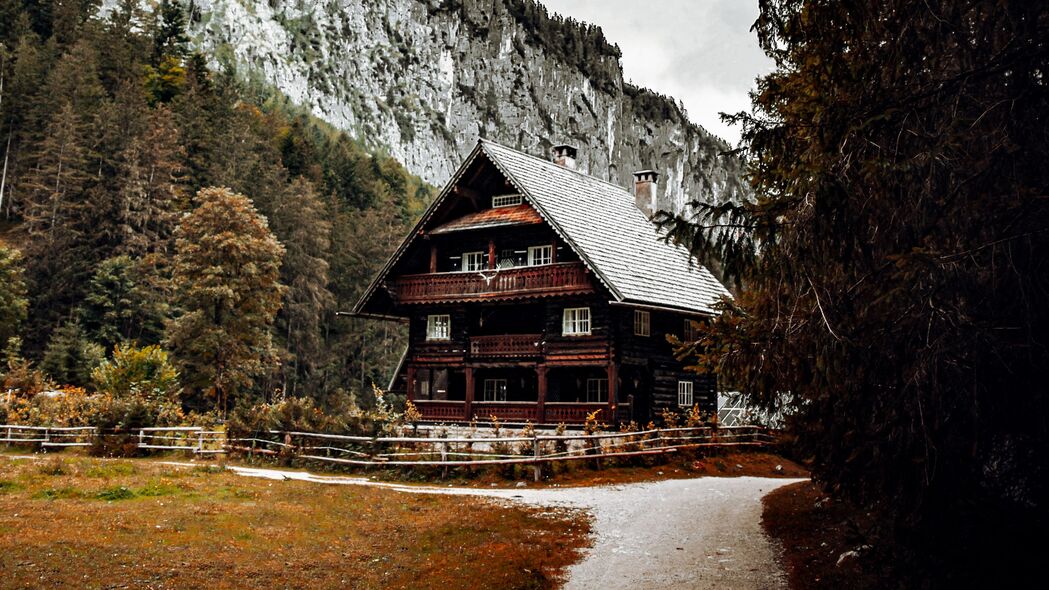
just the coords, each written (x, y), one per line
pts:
(423, 79)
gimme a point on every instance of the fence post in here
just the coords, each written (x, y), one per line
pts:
(200, 442)
(141, 437)
(537, 466)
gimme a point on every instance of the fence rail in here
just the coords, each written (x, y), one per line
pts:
(411, 451)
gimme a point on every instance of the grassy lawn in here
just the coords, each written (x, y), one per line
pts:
(78, 522)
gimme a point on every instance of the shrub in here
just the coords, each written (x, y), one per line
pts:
(138, 372)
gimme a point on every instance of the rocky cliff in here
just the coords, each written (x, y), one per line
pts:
(423, 79)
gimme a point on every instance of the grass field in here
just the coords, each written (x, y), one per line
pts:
(78, 522)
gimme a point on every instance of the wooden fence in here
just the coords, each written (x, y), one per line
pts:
(413, 451)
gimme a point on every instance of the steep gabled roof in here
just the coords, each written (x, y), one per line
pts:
(601, 223)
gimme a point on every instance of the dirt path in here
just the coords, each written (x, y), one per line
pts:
(684, 533)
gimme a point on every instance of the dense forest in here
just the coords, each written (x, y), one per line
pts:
(148, 200)
(893, 265)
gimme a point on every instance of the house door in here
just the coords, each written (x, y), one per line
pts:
(636, 388)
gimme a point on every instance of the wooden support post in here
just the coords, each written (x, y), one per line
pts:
(468, 405)
(613, 386)
(536, 469)
(553, 252)
(540, 372)
(491, 254)
(433, 258)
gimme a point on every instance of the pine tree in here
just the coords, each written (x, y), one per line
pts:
(123, 303)
(148, 192)
(70, 357)
(227, 271)
(169, 37)
(300, 220)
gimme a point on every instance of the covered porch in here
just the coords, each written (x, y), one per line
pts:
(541, 394)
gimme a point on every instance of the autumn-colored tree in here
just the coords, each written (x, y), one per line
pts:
(13, 301)
(893, 268)
(227, 272)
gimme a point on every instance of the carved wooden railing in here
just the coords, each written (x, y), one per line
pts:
(560, 278)
(506, 411)
(441, 410)
(506, 345)
(573, 413)
(554, 412)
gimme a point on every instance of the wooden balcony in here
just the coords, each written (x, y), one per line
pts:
(506, 346)
(567, 278)
(554, 412)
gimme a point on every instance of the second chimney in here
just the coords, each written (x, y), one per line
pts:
(646, 191)
(564, 155)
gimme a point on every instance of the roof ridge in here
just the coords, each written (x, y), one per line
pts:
(548, 162)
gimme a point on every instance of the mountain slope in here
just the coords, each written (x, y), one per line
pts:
(424, 78)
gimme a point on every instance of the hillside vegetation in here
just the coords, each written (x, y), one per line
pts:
(109, 131)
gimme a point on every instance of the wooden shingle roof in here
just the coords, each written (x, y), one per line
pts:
(601, 223)
(609, 232)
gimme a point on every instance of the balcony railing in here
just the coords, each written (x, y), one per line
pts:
(561, 278)
(554, 413)
(507, 345)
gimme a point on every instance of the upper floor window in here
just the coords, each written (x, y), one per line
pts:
(495, 390)
(596, 391)
(575, 321)
(473, 261)
(642, 323)
(690, 334)
(538, 255)
(438, 327)
(506, 200)
(684, 394)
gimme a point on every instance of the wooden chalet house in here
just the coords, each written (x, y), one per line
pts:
(535, 292)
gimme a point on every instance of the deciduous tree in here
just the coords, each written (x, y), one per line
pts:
(227, 271)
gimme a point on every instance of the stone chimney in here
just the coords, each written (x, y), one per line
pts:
(646, 191)
(564, 155)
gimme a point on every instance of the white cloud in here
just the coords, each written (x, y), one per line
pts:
(698, 51)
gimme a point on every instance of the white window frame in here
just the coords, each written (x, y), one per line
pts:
(494, 389)
(685, 393)
(506, 200)
(575, 321)
(689, 333)
(642, 323)
(540, 255)
(596, 390)
(473, 261)
(439, 327)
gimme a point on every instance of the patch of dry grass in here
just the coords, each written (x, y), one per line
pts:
(76, 522)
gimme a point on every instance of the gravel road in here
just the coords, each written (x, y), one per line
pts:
(674, 534)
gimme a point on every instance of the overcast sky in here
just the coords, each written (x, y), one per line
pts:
(698, 51)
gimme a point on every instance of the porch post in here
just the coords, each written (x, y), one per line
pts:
(491, 254)
(411, 383)
(433, 258)
(612, 390)
(468, 404)
(540, 372)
